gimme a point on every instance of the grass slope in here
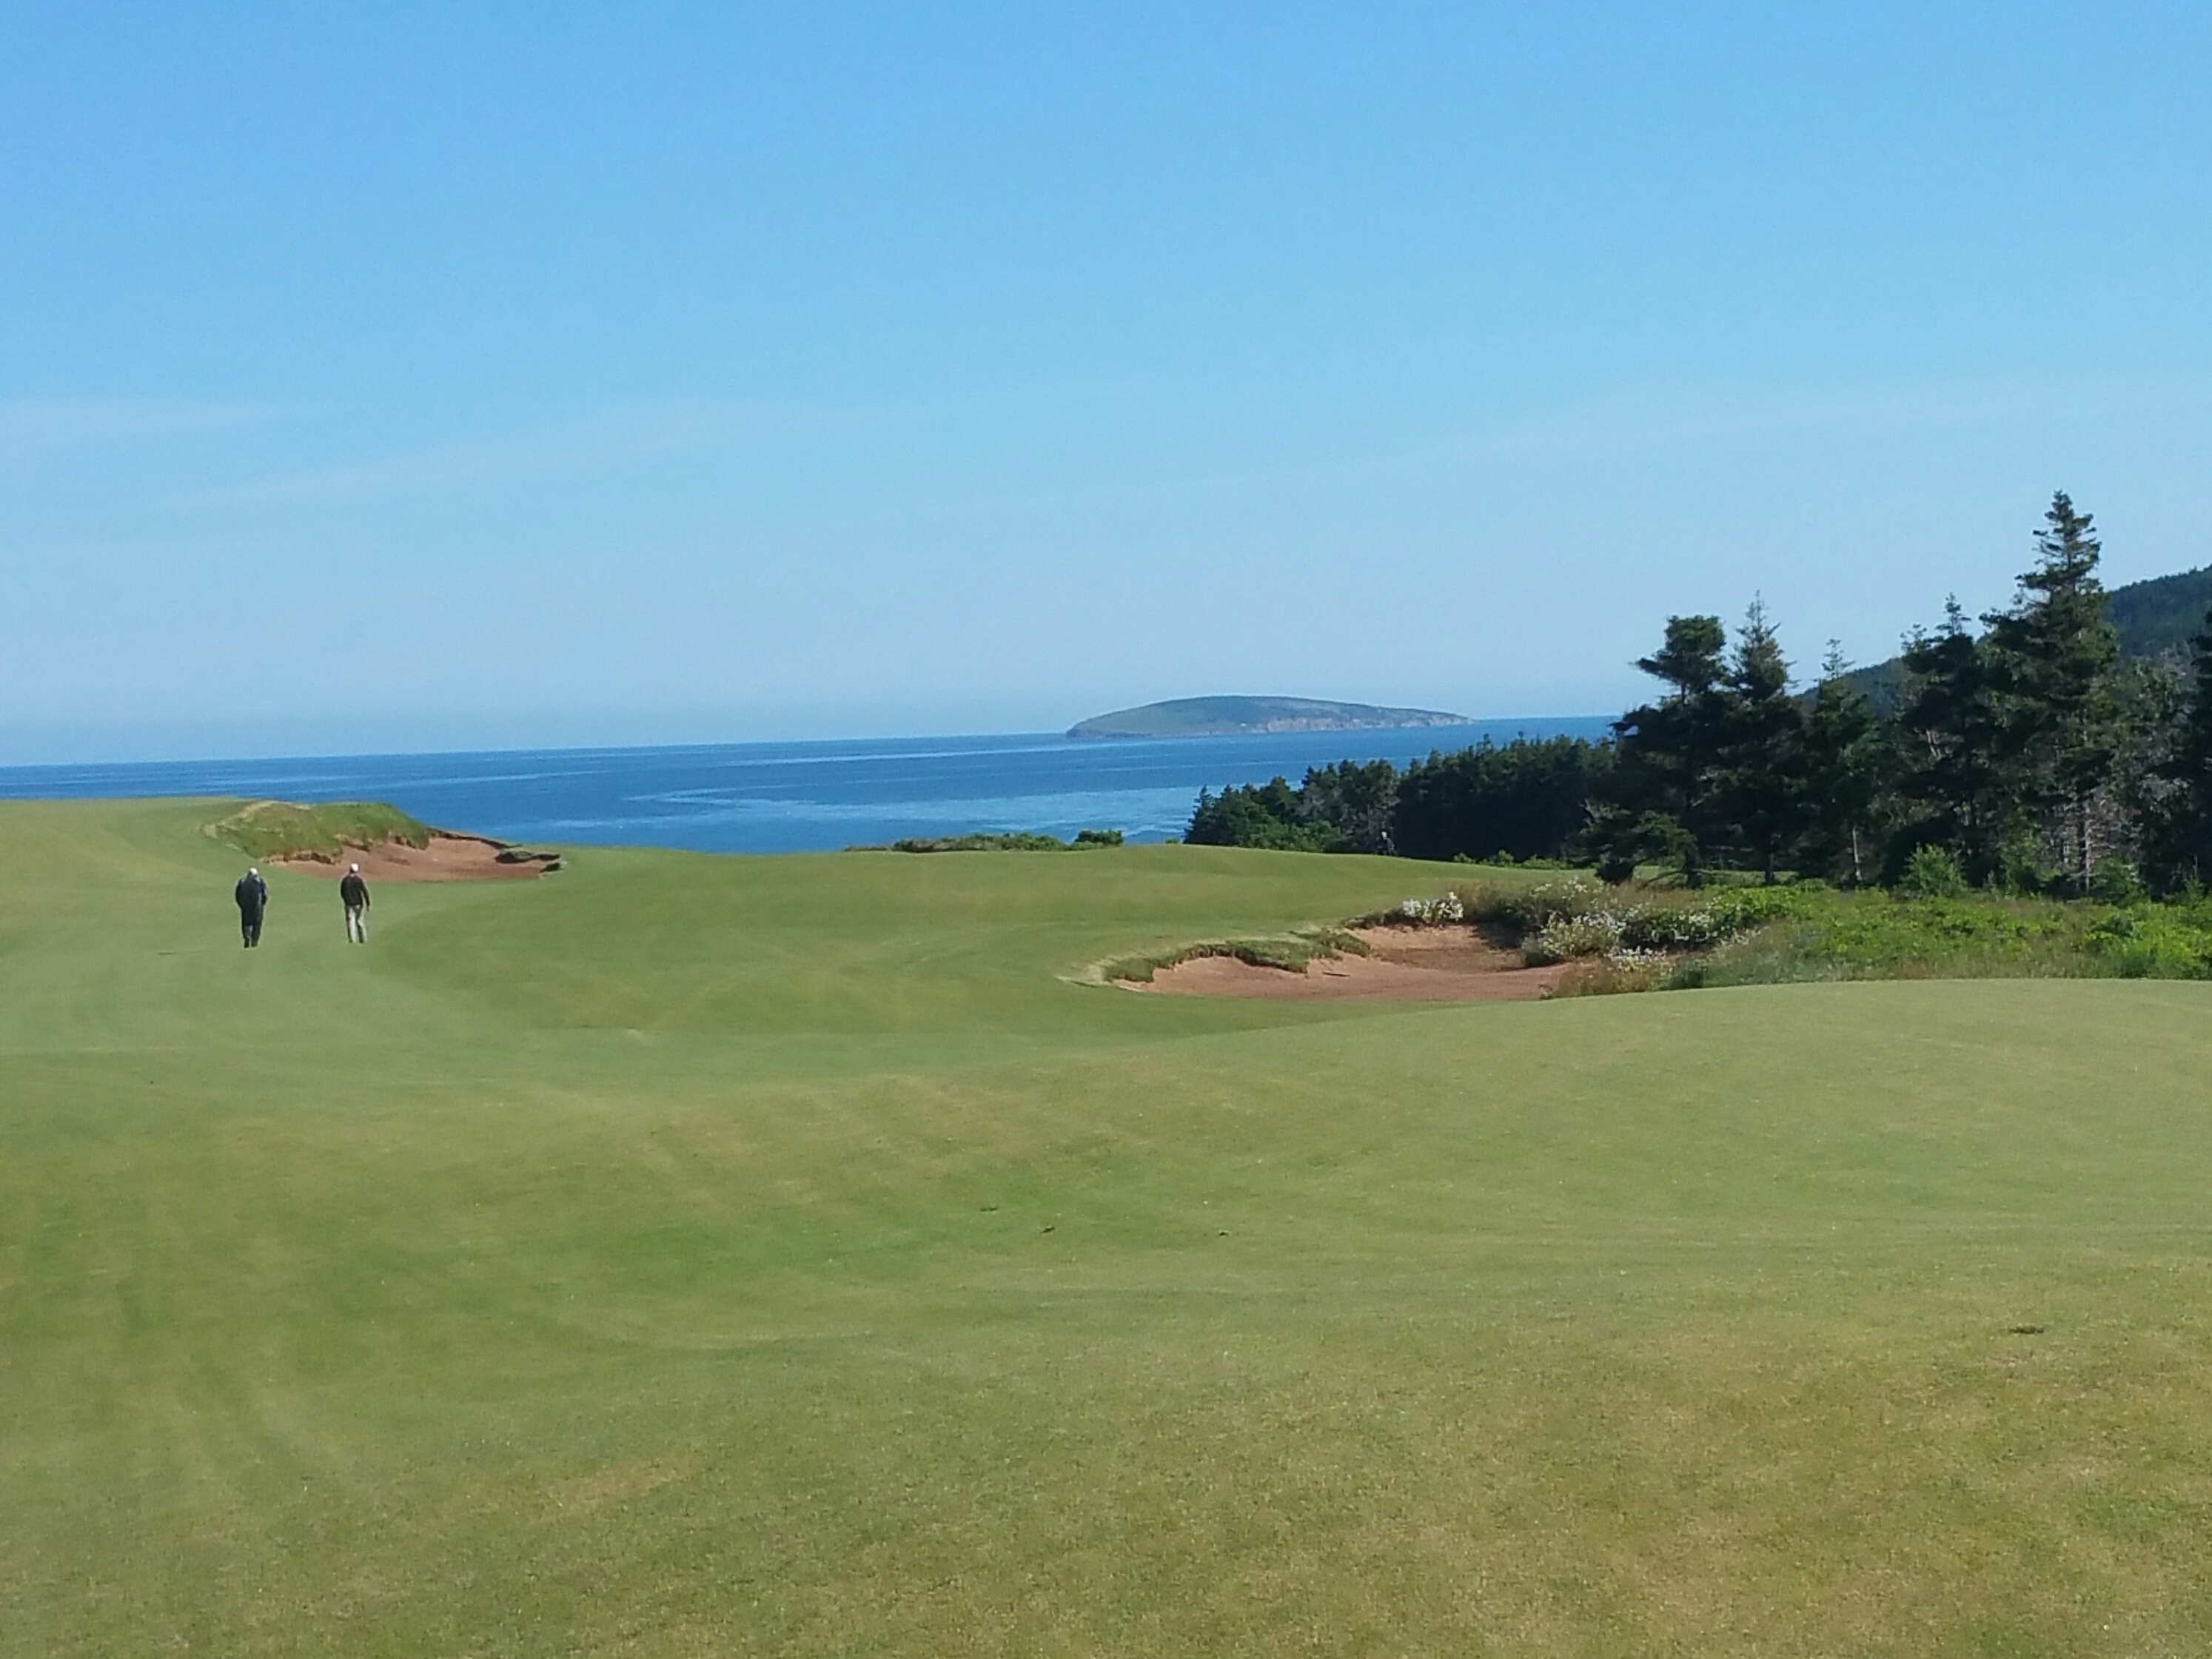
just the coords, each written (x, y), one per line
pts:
(278, 829)
(691, 1255)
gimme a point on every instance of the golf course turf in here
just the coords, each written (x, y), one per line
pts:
(682, 1255)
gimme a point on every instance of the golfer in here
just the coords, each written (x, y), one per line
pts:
(353, 891)
(252, 895)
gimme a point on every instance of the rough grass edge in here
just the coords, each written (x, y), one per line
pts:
(1290, 953)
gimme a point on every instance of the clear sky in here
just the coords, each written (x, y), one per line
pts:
(382, 376)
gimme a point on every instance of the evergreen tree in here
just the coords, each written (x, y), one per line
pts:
(1257, 815)
(1839, 773)
(2179, 834)
(1526, 798)
(1690, 659)
(1761, 730)
(1668, 751)
(2050, 658)
(1357, 799)
(1953, 789)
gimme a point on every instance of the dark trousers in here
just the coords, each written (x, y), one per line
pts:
(249, 925)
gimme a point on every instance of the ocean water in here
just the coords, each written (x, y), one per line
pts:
(789, 797)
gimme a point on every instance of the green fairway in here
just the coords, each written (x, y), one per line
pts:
(688, 1255)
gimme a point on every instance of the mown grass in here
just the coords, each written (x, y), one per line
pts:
(705, 1255)
(276, 829)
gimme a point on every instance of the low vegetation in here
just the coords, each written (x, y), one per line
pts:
(279, 829)
(1014, 841)
(1656, 934)
(1292, 953)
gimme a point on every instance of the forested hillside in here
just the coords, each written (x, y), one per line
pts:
(2161, 614)
(2152, 618)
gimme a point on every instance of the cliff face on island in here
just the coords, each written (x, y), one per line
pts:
(1213, 717)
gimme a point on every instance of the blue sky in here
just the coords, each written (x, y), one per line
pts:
(384, 376)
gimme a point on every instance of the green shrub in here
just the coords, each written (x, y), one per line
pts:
(1262, 815)
(1931, 873)
(2155, 942)
(2115, 882)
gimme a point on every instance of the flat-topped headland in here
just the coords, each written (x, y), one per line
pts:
(1218, 717)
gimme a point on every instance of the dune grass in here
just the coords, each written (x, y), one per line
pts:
(695, 1255)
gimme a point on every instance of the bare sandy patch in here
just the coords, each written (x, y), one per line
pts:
(448, 857)
(1404, 964)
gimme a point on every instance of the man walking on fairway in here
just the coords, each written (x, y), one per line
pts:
(252, 895)
(354, 891)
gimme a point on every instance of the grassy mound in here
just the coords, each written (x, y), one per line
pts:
(278, 829)
(780, 1256)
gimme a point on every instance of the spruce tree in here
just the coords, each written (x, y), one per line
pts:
(1667, 752)
(1762, 727)
(2051, 659)
(2180, 835)
(1838, 776)
(1953, 789)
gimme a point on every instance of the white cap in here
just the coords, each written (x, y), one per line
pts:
(355, 868)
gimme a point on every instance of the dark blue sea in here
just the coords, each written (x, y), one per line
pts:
(789, 797)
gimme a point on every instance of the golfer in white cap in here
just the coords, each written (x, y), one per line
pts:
(353, 892)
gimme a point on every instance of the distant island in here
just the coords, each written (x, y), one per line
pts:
(1220, 717)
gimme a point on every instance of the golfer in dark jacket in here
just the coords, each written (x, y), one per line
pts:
(252, 895)
(353, 892)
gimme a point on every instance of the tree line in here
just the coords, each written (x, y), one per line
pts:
(2023, 753)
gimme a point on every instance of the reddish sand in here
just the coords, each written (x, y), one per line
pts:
(447, 858)
(1405, 964)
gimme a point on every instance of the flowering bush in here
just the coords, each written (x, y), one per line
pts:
(1563, 938)
(1718, 918)
(1677, 930)
(1433, 912)
(1533, 909)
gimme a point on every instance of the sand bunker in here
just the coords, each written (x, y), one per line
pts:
(1404, 964)
(447, 858)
